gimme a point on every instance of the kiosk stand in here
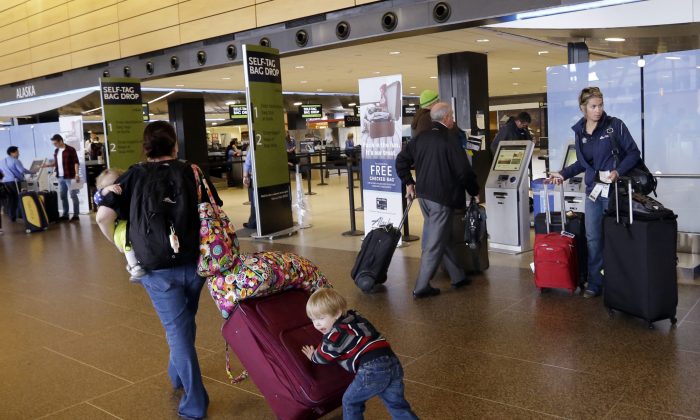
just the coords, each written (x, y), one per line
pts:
(574, 187)
(507, 192)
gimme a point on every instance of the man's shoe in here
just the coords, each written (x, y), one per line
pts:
(464, 282)
(427, 292)
(249, 225)
(75, 219)
(590, 294)
(63, 218)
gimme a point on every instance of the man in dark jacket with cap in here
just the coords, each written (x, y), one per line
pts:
(514, 129)
(443, 173)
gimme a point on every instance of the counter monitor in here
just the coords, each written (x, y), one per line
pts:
(510, 158)
(570, 156)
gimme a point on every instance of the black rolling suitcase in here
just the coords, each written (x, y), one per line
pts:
(575, 224)
(378, 247)
(640, 262)
(33, 212)
(50, 201)
(469, 238)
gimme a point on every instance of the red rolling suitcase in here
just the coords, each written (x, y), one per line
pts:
(267, 335)
(555, 256)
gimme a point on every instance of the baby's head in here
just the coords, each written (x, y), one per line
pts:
(324, 307)
(107, 178)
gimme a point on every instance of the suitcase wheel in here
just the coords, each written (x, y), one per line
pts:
(365, 283)
(674, 321)
(28, 231)
(650, 325)
(544, 290)
(611, 313)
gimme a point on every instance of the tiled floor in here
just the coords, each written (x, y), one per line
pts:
(77, 341)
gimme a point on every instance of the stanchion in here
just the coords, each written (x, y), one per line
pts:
(351, 195)
(406, 237)
(362, 195)
(321, 166)
(308, 179)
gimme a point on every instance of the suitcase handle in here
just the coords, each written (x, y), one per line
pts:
(617, 199)
(548, 214)
(405, 214)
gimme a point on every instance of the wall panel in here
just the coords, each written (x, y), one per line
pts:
(20, 58)
(81, 7)
(48, 34)
(94, 55)
(148, 22)
(51, 49)
(100, 36)
(14, 74)
(13, 30)
(210, 27)
(14, 44)
(13, 14)
(37, 6)
(133, 8)
(163, 38)
(93, 20)
(48, 18)
(276, 11)
(50, 66)
(198, 9)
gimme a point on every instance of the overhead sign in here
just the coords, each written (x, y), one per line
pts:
(26, 92)
(238, 114)
(409, 110)
(273, 200)
(352, 120)
(311, 111)
(122, 105)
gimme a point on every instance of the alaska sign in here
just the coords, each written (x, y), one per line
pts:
(26, 92)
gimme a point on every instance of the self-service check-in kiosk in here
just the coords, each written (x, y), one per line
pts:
(39, 178)
(574, 187)
(508, 206)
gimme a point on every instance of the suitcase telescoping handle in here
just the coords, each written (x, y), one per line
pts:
(617, 199)
(405, 214)
(548, 214)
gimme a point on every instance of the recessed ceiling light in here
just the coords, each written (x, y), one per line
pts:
(515, 83)
(482, 40)
(411, 104)
(614, 39)
(231, 103)
(303, 81)
(377, 72)
(298, 67)
(319, 90)
(542, 52)
(433, 77)
(352, 104)
(412, 87)
(394, 52)
(673, 57)
(515, 68)
(225, 78)
(179, 85)
(214, 123)
(297, 103)
(413, 93)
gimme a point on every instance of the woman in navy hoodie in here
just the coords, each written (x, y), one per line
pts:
(594, 153)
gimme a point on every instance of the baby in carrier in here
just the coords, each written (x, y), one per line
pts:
(106, 184)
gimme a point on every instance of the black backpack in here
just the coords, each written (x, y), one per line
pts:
(474, 224)
(164, 201)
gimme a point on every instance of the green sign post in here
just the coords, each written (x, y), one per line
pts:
(273, 200)
(122, 113)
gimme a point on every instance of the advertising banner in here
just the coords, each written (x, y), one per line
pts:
(273, 200)
(380, 116)
(123, 116)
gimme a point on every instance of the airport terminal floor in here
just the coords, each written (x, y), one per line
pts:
(78, 341)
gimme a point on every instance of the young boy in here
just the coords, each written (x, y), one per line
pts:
(352, 341)
(105, 184)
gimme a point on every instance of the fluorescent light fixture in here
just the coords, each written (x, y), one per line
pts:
(231, 103)
(179, 85)
(303, 81)
(298, 67)
(91, 110)
(352, 104)
(433, 77)
(412, 93)
(394, 52)
(515, 68)
(672, 57)
(614, 39)
(482, 40)
(215, 119)
(411, 104)
(515, 83)
(542, 52)
(377, 72)
(297, 103)
(412, 87)
(225, 78)
(573, 8)
(213, 123)
(319, 90)
(161, 97)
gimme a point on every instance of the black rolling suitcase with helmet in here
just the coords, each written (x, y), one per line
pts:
(640, 259)
(469, 238)
(375, 255)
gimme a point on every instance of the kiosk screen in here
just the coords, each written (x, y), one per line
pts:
(570, 156)
(36, 165)
(509, 158)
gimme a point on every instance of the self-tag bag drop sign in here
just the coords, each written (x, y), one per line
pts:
(121, 93)
(264, 67)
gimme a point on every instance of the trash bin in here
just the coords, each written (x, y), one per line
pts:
(537, 187)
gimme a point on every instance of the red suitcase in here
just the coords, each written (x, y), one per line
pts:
(555, 256)
(267, 335)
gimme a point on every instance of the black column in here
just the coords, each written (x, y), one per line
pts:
(464, 82)
(187, 116)
(578, 52)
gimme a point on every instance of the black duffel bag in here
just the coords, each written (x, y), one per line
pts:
(643, 207)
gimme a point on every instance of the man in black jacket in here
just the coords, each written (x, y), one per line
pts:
(443, 173)
(514, 129)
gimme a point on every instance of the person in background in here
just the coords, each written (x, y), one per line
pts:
(292, 158)
(248, 183)
(443, 173)
(14, 172)
(67, 169)
(354, 343)
(422, 121)
(516, 128)
(3, 193)
(349, 142)
(594, 157)
(231, 152)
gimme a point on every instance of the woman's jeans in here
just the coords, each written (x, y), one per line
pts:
(175, 296)
(64, 186)
(595, 211)
(382, 376)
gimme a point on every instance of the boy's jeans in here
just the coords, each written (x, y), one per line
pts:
(382, 376)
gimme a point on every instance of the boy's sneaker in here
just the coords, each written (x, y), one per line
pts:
(590, 294)
(136, 272)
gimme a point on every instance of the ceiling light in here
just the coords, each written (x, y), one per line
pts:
(641, 62)
(231, 103)
(394, 52)
(179, 85)
(482, 40)
(572, 8)
(352, 104)
(411, 104)
(225, 78)
(515, 68)
(319, 90)
(413, 93)
(697, 67)
(412, 87)
(515, 83)
(614, 39)
(214, 123)
(673, 57)
(433, 77)
(297, 103)
(298, 67)
(377, 72)
(161, 97)
(303, 81)
(542, 52)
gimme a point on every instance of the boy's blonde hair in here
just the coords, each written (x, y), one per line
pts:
(102, 178)
(325, 301)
